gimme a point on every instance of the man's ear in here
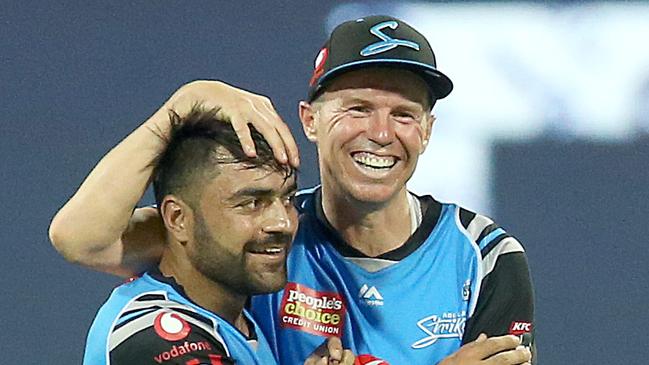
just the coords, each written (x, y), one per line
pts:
(177, 217)
(427, 131)
(308, 119)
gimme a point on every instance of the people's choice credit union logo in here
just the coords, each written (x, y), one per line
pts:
(317, 312)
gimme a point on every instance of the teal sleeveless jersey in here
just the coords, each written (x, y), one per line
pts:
(150, 321)
(411, 306)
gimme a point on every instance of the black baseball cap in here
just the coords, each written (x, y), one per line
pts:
(377, 40)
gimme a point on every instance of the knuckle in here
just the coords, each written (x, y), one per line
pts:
(238, 127)
(506, 342)
(194, 83)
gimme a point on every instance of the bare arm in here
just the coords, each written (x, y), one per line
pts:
(99, 226)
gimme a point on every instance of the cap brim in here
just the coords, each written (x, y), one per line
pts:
(438, 83)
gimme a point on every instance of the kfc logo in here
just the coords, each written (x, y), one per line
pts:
(519, 328)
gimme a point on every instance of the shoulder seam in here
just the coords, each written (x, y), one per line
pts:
(477, 225)
(477, 259)
(505, 246)
(466, 216)
(122, 334)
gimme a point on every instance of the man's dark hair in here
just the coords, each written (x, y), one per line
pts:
(197, 144)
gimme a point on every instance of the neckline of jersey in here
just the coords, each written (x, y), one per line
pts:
(431, 212)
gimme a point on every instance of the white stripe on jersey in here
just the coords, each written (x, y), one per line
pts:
(507, 245)
(371, 264)
(477, 225)
(146, 321)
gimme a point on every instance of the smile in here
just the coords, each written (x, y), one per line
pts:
(269, 251)
(373, 161)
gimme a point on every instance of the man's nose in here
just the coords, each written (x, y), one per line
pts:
(381, 128)
(279, 218)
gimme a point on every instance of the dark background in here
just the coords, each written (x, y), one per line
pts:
(76, 77)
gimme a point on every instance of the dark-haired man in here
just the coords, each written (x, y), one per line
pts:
(229, 220)
(402, 279)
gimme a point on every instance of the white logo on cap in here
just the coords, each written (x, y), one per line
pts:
(387, 43)
(322, 56)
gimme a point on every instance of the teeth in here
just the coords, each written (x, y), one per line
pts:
(272, 250)
(374, 161)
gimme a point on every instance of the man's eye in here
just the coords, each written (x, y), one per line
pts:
(405, 117)
(358, 110)
(252, 204)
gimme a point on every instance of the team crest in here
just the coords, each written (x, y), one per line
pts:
(446, 326)
(387, 43)
(466, 290)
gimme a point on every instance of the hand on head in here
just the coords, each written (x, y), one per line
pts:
(241, 108)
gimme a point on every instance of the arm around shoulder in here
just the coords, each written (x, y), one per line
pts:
(98, 226)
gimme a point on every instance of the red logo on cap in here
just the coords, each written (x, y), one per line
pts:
(171, 326)
(319, 65)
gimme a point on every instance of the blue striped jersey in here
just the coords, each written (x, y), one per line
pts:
(150, 320)
(458, 275)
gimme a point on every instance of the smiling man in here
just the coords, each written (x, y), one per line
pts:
(400, 278)
(229, 221)
(418, 281)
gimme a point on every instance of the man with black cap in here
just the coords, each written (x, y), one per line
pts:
(408, 279)
(399, 277)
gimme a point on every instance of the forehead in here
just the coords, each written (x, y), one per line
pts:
(233, 178)
(402, 82)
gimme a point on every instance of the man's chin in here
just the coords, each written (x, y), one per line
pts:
(267, 283)
(373, 193)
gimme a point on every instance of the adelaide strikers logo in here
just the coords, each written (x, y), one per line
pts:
(447, 325)
(387, 43)
(317, 312)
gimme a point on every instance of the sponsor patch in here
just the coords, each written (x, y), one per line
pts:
(180, 350)
(518, 328)
(317, 312)
(171, 326)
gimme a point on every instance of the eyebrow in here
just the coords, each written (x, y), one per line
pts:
(287, 189)
(355, 100)
(412, 105)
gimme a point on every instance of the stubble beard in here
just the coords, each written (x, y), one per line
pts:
(229, 270)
